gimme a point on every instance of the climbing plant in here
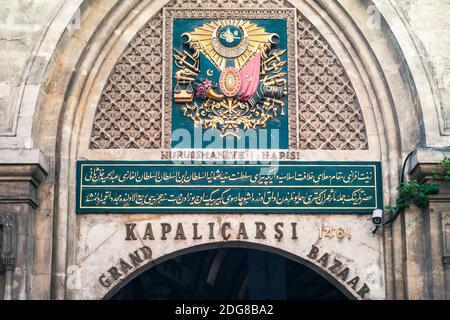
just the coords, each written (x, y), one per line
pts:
(412, 192)
(445, 164)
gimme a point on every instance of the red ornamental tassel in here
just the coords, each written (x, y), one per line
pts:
(250, 78)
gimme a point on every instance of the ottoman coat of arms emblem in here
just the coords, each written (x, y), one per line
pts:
(230, 75)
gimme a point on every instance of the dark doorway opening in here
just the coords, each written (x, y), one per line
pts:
(230, 274)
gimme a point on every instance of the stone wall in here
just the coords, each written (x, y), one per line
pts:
(429, 26)
(48, 56)
(24, 25)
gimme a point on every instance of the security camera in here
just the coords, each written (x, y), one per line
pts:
(377, 217)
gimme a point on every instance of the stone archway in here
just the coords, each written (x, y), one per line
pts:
(259, 257)
(76, 81)
(113, 251)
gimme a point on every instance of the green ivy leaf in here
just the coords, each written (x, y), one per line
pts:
(413, 192)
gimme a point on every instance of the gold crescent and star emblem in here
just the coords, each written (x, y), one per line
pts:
(250, 85)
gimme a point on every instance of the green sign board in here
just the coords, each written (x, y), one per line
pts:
(287, 187)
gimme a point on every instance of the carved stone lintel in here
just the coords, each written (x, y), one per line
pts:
(18, 183)
(425, 162)
(8, 241)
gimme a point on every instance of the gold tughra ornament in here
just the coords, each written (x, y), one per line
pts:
(247, 89)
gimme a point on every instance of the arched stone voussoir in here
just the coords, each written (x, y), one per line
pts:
(105, 266)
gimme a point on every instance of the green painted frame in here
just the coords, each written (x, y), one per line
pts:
(168, 187)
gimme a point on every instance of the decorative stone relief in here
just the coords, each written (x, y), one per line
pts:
(229, 3)
(8, 238)
(330, 117)
(446, 238)
(129, 114)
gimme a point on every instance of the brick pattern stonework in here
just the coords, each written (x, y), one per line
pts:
(129, 114)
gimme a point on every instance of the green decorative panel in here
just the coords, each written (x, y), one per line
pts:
(287, 187)
(230, 76)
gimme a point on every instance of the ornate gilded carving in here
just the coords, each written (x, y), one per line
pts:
(287, 14)
(330, 117)
(324, 112)
(235, 71)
